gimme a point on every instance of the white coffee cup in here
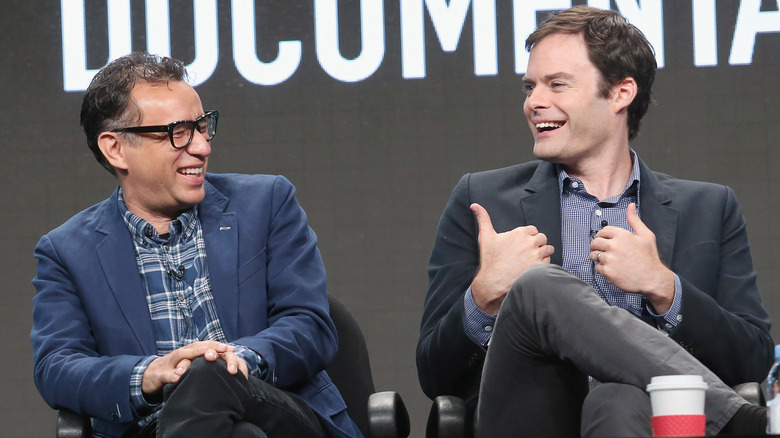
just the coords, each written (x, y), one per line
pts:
(677, 395)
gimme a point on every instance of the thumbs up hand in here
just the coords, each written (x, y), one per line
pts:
(631, 262)
(503, 258)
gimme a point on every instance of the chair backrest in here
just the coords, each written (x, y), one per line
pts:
(351, 369)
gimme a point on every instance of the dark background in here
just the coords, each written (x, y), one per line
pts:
(374, 161)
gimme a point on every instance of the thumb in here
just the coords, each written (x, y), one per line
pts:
(635, 222)
(483, 219)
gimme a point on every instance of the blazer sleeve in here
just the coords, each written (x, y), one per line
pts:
(724, 323)
(68, 370)
(300, 339)
(448, 361)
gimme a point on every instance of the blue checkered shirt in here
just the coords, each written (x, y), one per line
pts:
(582, 216)
(178, 291)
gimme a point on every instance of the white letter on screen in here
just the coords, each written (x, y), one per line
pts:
(485, 38)
(245, 49)
(448, 20)
(412, 39)
(75, 74)
(158, 38)
(525, 23)
(750, 21)
(372, 37)
(705, 33)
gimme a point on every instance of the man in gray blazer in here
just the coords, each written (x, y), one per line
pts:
(600, 267)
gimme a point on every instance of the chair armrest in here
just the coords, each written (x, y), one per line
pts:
(447, 418)
(72, 425)
(387, 415)
(751, 391)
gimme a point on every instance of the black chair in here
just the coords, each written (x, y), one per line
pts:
(377, 414)
(449, 417)
(384, 415)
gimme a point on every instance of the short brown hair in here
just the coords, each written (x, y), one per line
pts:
(107, 104)
(617, 48)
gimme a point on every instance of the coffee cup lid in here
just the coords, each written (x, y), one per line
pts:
(677, 382)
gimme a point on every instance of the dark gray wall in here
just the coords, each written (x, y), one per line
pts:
(374, 161)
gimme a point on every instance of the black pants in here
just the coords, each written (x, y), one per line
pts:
(210, 402)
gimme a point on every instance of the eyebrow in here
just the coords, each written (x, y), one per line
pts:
(551, 77)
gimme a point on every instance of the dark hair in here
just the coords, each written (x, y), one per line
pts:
(617, 48)
(107, 104)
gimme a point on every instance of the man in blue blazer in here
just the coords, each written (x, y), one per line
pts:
(586, 287)
(187, 304)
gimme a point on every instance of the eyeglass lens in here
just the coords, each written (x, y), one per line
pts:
(182, 132)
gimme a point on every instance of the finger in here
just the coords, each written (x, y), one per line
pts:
(211, 355)
(189, 352)
(232, 362)
(531, 231)
(635, 222)
(540, 239)
(598, 244)
(236, 363)
(219, 347)
(244, 368)
(483, 219)
(182, 366)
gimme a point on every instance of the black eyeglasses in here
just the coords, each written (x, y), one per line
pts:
(181, 133)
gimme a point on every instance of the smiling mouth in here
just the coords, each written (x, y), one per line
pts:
(548, 126)
(191, 171)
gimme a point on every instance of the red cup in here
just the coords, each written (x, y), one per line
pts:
(679, 425)
(678, 405)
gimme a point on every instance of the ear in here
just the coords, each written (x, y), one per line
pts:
(623, 93)
(113, 149)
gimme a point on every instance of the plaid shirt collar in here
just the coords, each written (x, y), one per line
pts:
(564, 178)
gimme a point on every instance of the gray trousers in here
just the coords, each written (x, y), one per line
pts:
(552, 332)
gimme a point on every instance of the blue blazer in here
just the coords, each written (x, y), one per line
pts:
(700, 233)
(91, 322)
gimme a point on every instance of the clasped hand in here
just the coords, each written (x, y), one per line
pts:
(169, 368)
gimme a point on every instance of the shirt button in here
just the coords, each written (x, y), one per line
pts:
(668, 325)
(598, 212)
(148, 231)
(679, 318)
(488, 328)
(181, 297)
(575, 184)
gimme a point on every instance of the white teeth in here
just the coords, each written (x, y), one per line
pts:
(192, 171)
(551, 125)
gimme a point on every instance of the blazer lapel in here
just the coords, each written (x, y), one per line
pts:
(657, 213)
(116, 255)
(541, 205)
(220, 233)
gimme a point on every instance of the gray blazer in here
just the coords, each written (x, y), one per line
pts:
(701, 236)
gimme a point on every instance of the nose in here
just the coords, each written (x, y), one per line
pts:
(536, 99)
(199, 146)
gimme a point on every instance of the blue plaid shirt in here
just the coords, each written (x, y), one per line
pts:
(178, 291)
(582, 216)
